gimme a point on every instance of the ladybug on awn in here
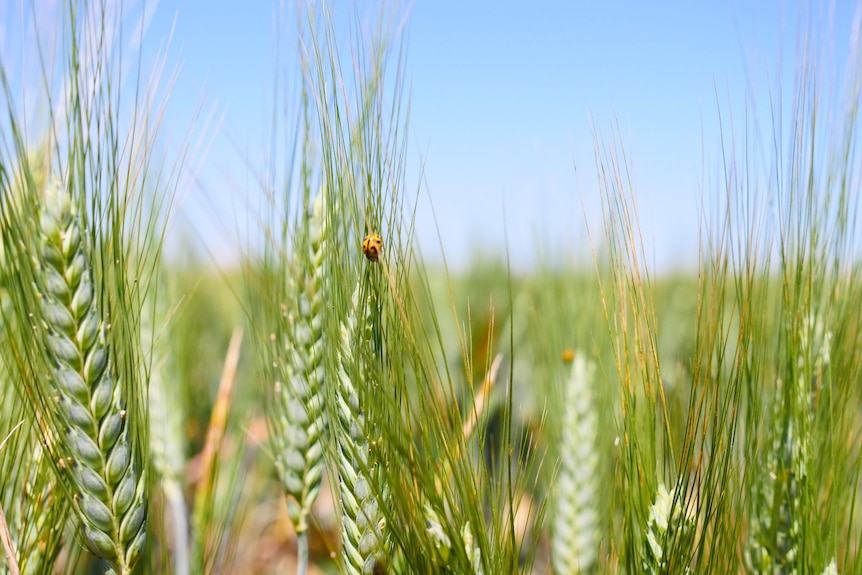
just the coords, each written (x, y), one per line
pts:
(372, 246)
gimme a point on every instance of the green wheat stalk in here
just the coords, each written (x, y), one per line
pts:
(82, 248)
(430, 465)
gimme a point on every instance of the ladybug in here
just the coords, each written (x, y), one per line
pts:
(568, 355)
(372, 246)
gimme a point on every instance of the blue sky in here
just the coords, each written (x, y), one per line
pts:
(504, 98)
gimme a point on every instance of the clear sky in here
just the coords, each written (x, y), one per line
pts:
(504, 98)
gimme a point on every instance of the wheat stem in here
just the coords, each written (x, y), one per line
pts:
(302, 553)
(205, 550)
(480, 399)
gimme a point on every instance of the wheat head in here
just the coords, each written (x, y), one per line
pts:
(365, 545)
(298, 419)
(109, 487)
(574, 540)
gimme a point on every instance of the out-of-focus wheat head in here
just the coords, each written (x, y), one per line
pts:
(364, 541)
(36, 522)
(774, 522)
(668, 524)
(575, 530)
(298, 419)
(166, 415)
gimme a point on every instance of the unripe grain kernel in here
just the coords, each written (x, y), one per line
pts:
(100, 543)
(110, 431)
(85, 448)
(124, 495)
(80, 304)
(136, 548)
(97, 513)
(102, 396)
(118, 461)
(88, 332)
(95, 364)
(72, 384)
(93, 483)
(133, 522)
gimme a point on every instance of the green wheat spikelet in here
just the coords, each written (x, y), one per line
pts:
(774, 524)
(35, 511)
(575, 530)
(37, 520)
(99, 455)
(773, 530)
(298, 420)
(363, 530)
(474, 553)
(668, 525)
(436, 532)
(166, 432)
(166, 414)
(167, 440)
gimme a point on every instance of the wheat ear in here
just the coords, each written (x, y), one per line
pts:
(668, 525)
(109, 488)
(167, 444)
(38, 511)
(474, 553)
(575, 531)
(772, 543)
(166, 449)
(774, 537)
(298, 418)
(363, 525)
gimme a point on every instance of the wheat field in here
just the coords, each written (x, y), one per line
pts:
(333, 403)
